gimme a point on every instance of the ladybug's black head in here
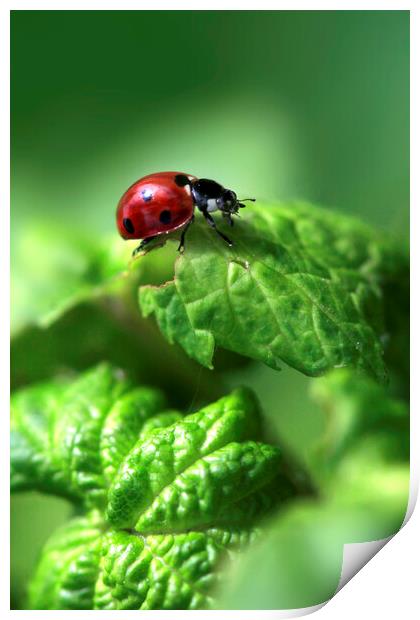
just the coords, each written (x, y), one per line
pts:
(229, 202)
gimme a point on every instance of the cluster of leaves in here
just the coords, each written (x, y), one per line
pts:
(167, 498)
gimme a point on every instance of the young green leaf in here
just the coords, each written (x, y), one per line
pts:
(67, 572)
(173, 571)
(300, 285)
(31, 459)
(170, 494)
(68, 438)
(85, 567)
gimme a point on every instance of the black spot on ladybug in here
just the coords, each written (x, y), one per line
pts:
(181, 180)
(147, 195)
(128, 225)
(165, 216)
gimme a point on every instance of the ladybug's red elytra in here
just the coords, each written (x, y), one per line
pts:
(160, 203)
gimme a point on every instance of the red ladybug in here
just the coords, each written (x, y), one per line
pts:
(162, 202)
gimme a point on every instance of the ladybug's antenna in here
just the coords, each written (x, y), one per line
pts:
(244, 199)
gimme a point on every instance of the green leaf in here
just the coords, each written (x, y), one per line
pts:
(63, 439)
(54, 269)
(174, 322)
(171, 495)
(182, 569)
(313, 279)
(83, 567)
(174, 461)
(31, 461)
(361, 416)
(68, 569)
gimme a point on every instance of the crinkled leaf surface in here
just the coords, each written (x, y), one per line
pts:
(86, 566)
(301, 285)
(63, 438)
(166, 496)
(68, 569)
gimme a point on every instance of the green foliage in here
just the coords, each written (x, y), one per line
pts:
(362, 466)
(55, 269)
(320, 286)
(83, 129)
(165, 496)
(314, 281)
(109, 329)
(164, 499)
(360, 413)
(66, 574)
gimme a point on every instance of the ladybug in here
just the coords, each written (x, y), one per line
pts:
(160, 203)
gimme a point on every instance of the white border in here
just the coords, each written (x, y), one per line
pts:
(388, 584)
(214, 5)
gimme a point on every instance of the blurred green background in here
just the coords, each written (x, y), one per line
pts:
(275, 104)
(282, 105)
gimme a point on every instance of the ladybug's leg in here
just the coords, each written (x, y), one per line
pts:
(228, 216)
(142, 245)
(184, 232)
(212, 223)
